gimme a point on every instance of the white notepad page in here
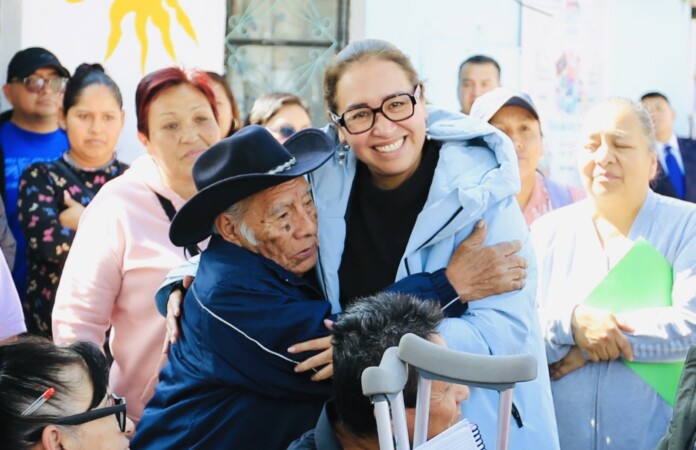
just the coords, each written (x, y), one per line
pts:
(462, 436)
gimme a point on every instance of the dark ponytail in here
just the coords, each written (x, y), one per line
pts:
(87, 75)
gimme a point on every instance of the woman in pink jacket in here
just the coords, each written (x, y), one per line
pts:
(122, 251)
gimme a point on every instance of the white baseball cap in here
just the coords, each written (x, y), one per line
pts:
(488, 104)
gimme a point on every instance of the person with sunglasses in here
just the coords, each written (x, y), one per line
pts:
(281, 113)
(58, 398)
(29, 132)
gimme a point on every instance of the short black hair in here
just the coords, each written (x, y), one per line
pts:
(360, 336)
(28, 367)
(654, 94)
(478, 59)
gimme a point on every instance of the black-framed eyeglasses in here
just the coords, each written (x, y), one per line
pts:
(396, 108)
(35, 83)
(118, 409)
(284, 131)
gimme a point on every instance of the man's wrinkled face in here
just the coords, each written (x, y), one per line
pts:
(283, 222)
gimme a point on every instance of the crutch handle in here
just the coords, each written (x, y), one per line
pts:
(389, 378)
(490, 372)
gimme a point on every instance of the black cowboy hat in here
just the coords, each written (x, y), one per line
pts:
(249, 161)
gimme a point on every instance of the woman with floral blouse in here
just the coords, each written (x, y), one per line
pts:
(53, 195)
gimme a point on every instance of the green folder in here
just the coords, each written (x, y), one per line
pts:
(642, 279)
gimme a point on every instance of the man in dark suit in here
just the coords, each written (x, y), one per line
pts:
(676, 176)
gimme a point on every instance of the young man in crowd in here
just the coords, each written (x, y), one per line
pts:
(477, 75)
(29, 132)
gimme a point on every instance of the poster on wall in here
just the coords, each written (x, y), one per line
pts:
(562, 61)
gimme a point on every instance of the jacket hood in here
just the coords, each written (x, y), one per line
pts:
(489, 166)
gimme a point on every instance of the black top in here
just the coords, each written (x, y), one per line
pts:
(378, 225)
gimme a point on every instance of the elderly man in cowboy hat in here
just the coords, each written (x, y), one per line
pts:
(229, 381)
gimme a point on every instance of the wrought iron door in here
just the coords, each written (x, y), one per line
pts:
(283, 45)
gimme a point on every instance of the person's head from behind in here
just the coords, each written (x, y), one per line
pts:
(81, 414)
(514, 114)
(92, 115)
(253, 194)
(360, 337)
(177, 120)
(617, 157)
(281, 113)
(375, 96)
(661, 113)
(229, 118)
(477, 75)
(35, 82)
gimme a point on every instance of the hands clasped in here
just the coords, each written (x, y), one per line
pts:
(599, 334)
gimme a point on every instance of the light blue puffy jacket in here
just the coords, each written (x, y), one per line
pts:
(476, 177)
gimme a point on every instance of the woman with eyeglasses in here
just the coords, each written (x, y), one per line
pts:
(57, 398)
(54, 194)
(406, 185)
(281, 113)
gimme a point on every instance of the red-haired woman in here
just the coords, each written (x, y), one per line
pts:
(122, 251)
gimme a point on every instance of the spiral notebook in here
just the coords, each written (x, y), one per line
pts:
(462, 436)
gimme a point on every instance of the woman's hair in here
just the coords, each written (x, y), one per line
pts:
(268, 105)
(360, 51)
(154, 83)
(31, 365)
(87, 75)
(236, 116)
(638, 109)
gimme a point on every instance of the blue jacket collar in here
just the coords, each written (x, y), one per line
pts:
(226, 254)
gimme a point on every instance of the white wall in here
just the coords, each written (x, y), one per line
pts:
(78, 32)
(651, 50)
(439, 35)
(646, 46)
(10, 38)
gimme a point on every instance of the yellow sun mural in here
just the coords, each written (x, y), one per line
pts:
(145, 11)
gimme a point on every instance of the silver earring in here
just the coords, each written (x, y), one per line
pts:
(345, 148)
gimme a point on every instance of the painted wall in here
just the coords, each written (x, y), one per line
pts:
(79, 31)
(647, 43)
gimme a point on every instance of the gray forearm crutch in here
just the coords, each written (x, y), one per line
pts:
(434, 362)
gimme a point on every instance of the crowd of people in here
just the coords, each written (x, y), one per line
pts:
(229, 286)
